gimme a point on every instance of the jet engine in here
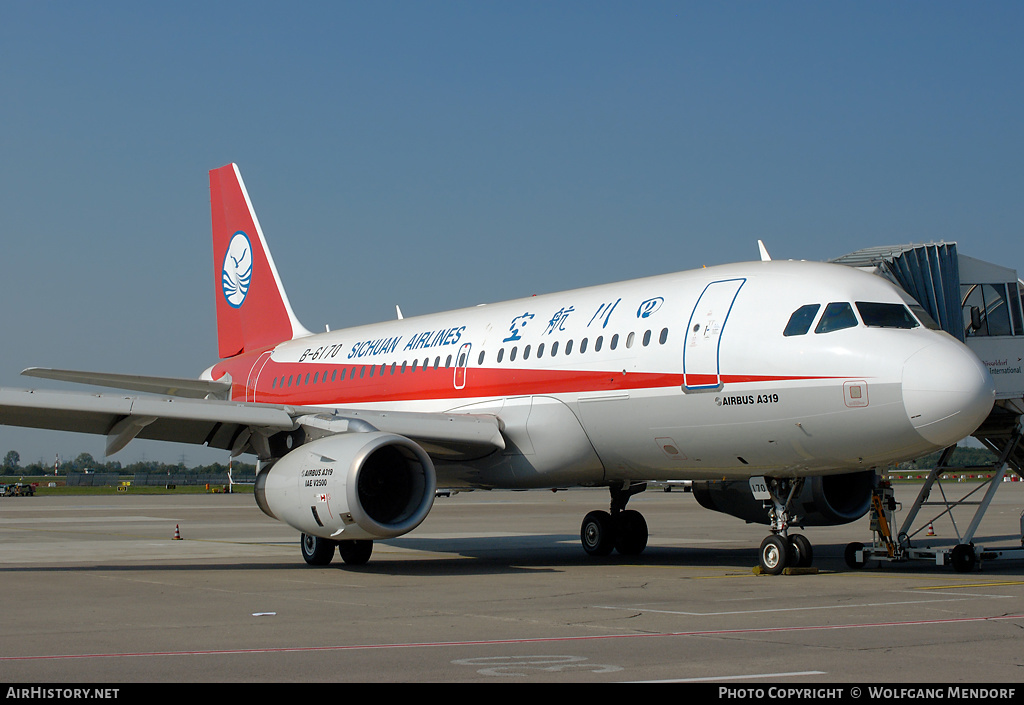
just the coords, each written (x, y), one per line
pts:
(824, 501)
(350, 486)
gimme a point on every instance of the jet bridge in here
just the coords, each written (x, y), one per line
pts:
(979, 303)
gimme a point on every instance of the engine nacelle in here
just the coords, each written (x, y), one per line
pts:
(824, 501)
(350, 486)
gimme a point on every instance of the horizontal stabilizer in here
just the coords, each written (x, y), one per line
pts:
(170, 386)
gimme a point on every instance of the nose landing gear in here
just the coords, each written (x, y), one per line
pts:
(781, 550)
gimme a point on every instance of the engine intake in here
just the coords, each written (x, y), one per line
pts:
(350, 486)
(824, 501)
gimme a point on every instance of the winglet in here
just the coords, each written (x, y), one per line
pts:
(765, 257)
(252, 308)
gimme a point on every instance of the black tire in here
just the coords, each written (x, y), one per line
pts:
(801, 551)
(597, 533)
(316, 550)
(630, 533)
(962, 557)
(850, 555)
(774, 555)
(355, 552)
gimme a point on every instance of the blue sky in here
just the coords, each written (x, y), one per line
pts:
(441, 154)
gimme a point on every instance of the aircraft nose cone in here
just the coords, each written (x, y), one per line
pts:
(947, 392)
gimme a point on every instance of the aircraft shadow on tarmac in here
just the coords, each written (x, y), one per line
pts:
(448, 556)
(502, 555)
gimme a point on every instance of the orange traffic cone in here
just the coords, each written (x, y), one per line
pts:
(931, 531)
(177, 533)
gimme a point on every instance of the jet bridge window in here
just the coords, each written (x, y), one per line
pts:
(801, 320)
(837, 316)
(987, 310)
(881, 315)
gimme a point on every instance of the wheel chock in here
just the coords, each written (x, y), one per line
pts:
(788, 571)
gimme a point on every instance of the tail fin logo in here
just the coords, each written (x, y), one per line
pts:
(236, 274)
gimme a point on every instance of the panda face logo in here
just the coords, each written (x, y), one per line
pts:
(236, 274)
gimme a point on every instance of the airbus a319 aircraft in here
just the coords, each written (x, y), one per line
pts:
(775, 386)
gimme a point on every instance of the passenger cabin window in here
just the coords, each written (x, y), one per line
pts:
(801, 320)
(879, 315)
(837, 316)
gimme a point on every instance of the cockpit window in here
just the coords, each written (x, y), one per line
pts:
(881, 315)
(801, 320)
(925, 317)
(836, 317)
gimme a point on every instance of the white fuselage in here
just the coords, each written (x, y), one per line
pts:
(681, 376)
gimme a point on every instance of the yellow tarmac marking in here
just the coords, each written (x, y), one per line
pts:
(971, 585)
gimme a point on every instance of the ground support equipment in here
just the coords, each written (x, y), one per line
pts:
(895, 544)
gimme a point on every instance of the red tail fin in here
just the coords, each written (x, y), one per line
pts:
(252, 308)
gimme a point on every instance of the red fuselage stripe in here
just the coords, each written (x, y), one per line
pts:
(356, 384)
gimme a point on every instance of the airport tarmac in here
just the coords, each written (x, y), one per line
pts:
(492, 587)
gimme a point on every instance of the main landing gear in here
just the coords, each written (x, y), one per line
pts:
(320, 551)
(620, 529)
(781, 550)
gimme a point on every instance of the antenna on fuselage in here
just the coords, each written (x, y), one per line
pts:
(399, 312)
(765, 257)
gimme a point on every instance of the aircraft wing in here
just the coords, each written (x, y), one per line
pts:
(171, 386)
(236, 426)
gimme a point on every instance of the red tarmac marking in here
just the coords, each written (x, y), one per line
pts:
(493, 642)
